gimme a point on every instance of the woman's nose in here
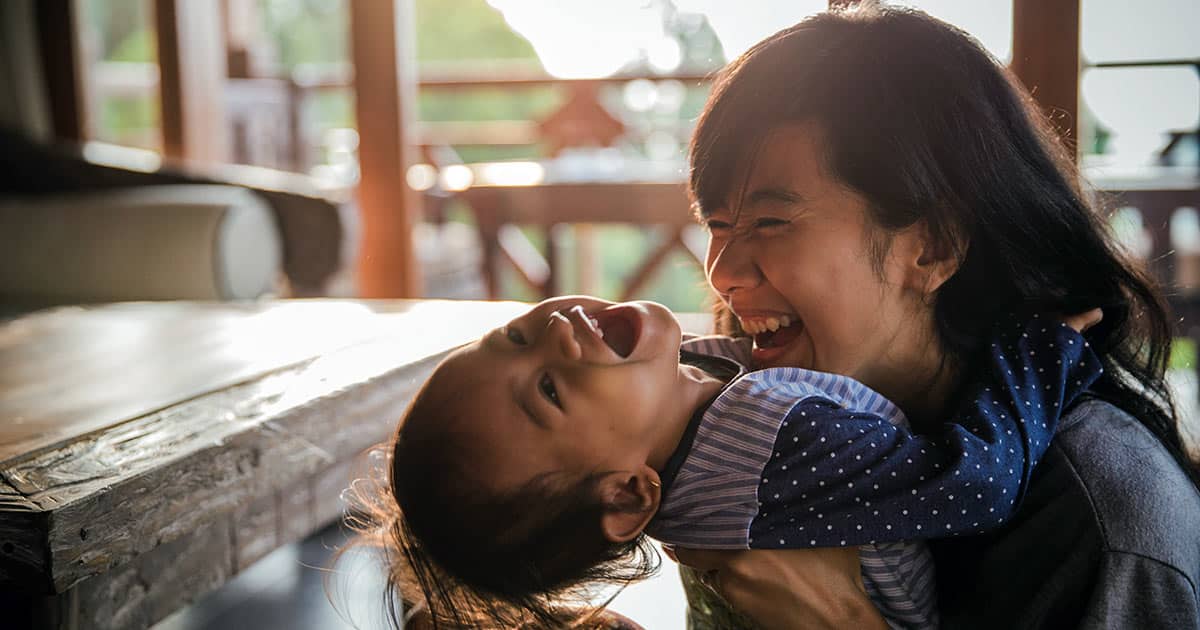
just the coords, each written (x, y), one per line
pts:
(558, 338)
(730, 265)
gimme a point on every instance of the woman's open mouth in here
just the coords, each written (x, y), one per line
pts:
(778, 338)
(771, 334)
(621, 327)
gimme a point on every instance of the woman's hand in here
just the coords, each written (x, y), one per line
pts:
(788, 588)
(1085, 320)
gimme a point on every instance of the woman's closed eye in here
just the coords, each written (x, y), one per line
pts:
(547, 389)
(716, 225)
(766, 223)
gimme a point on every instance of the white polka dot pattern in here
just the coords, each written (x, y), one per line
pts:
(791, 458)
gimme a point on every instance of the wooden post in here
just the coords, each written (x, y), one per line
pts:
(191, 59)
(62, 56)
(1045, 57)
(250, 55)
(382, 43)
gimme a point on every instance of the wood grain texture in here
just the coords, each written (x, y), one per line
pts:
(118, 526)
(70, 371)
(100, 498)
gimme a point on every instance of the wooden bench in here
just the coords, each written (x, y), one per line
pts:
(149, 452)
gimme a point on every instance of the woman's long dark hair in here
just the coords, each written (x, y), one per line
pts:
(925, 124)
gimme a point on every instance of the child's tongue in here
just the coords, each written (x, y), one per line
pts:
(781, 337)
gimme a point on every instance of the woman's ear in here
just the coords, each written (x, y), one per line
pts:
(630, 500)
(929, 261)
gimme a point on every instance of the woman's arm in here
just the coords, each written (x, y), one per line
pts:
(823, 587)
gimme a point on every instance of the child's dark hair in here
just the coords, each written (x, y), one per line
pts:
(527, 558)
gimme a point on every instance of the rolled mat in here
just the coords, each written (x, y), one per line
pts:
(199, 242)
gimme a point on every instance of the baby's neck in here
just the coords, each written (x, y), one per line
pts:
(698, 388)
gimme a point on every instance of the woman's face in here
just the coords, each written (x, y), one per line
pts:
(792, 259)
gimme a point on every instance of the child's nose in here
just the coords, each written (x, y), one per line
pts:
(559, 338)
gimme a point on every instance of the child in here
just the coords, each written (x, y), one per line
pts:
(534, 461)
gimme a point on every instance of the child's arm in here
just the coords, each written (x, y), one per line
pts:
(842, 477)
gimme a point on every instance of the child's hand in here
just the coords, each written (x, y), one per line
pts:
(1083, 321)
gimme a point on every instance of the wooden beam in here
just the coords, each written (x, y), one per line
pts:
(1045, 57)
(63, 59)
(382, 45)
(191, 58)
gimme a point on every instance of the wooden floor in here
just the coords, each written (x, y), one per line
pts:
(293, 589)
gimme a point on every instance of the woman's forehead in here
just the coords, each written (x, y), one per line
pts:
(788, 167)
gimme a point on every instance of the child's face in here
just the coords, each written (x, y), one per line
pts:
(576, 384)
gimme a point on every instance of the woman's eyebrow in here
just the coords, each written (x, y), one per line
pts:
(764, 195)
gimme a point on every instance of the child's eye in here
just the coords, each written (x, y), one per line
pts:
(546, 386)
(515, 336)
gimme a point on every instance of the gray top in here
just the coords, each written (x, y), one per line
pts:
(1107, 537)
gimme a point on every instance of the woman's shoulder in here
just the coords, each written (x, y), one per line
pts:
(1143, 502)
(1106, 536)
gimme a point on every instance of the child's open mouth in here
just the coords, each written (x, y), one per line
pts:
(620, 326)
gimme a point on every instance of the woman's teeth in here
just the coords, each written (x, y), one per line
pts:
(761, 325)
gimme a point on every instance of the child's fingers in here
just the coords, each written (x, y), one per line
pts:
(1083, 321)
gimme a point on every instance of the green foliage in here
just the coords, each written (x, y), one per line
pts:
(307, 31)
(139, 45)
(1183, 354)
(459, 30)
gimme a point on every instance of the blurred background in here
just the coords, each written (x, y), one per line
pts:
(485, 149)
(545, 141)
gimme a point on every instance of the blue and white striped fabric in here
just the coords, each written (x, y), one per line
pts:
(791, 458)
(713, 498)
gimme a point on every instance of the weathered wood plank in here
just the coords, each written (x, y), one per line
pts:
(161, 581)
(21, 547)
(212, 471)
(126, 490)
(71, 371)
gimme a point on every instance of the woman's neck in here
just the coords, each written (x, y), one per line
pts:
(920, 379)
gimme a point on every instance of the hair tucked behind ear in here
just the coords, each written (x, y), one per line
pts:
(531, 558)
(920, 120)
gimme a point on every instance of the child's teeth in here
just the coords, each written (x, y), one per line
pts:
(772, 324)
(785, 321)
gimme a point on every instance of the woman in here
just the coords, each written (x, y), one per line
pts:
(875, 176)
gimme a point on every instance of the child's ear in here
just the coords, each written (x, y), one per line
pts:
(630, 499)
